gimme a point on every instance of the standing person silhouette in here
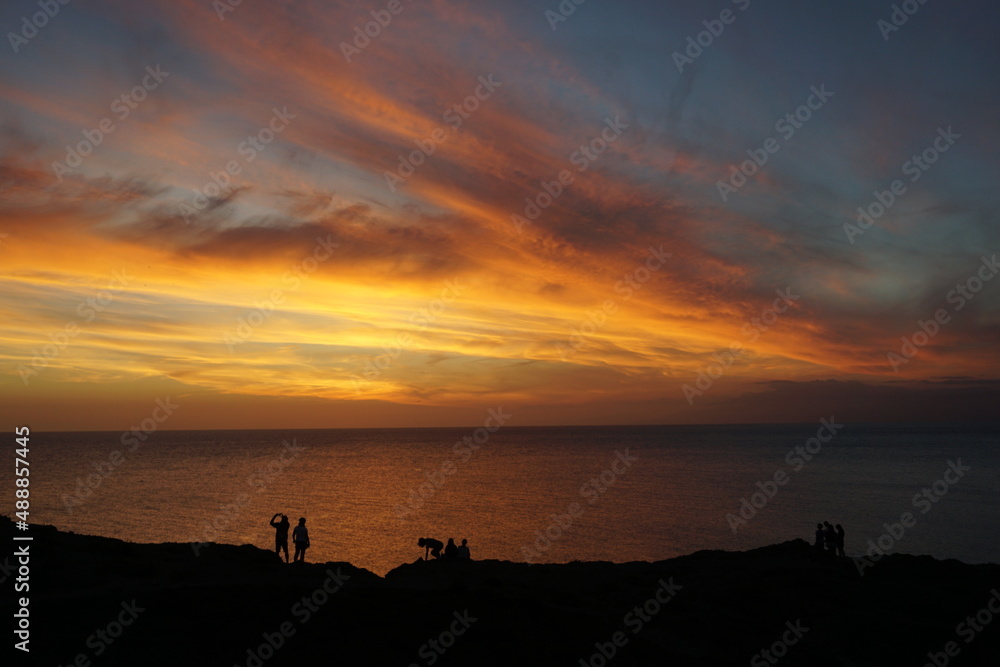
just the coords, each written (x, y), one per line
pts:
(301, 538)
(830, 537)
(820, 537)
(840, 541)
(280, 534)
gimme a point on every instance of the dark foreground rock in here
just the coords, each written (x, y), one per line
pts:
(99, 601)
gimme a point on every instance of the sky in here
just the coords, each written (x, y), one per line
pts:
(311, 214)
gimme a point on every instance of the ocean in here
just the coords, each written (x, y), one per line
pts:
(538, 494)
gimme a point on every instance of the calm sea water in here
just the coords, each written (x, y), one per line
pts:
(599, 493)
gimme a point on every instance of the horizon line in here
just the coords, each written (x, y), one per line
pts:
(523, 426)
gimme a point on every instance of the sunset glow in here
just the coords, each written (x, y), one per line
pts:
(279, 221)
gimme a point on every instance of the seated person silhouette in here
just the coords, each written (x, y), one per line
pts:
(431, 546)
(301, 538)
(280, 534)
(451, 551)
(463, 552)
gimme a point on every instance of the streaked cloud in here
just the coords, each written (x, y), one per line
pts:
(197, 274)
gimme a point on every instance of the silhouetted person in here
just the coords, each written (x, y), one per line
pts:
(451, 551)
(301, 538)
(463, 552)
(820, 537)
(280, 534)
(829, 537)
(431, 546)
(840, 541)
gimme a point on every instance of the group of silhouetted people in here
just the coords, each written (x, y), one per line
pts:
(452, 551)
(300, 535)
(829, 538)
